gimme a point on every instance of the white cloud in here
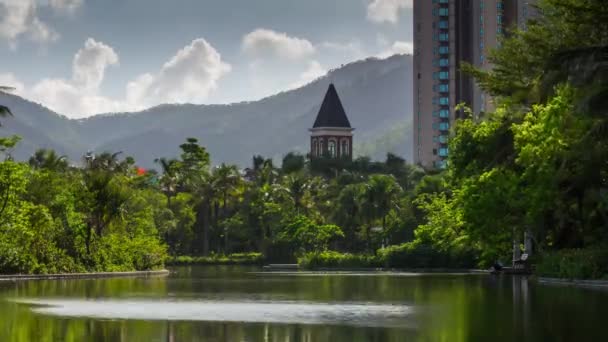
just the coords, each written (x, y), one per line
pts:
(350, 50)
(10, 80)
(68, 6)
(380, 11)
(20, 18)
(398, 48)
(190, 76)
(66, 98)
(79, 96)
(314, 71)
(263, 42)
(91, 62)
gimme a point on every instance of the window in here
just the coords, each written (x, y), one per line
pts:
(332, 148)
(442, 88)
(442, 12)
(499, 30)
(500, 5)
(443, 24)
(440, 164)
(321, 148)
(442, 126)
(442, 113)
(443, 62)
(443, 152)
(443, 50)
(499, 19)
(315, 147)
(442, 37)
(345, 151)
(443, 139)
(441, 75)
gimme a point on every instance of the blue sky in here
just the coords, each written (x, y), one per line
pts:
(81, 57)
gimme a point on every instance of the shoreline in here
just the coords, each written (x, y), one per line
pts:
(92, 275)
(290, 268)
(602, 284)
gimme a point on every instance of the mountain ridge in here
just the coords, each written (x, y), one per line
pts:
(376, 94)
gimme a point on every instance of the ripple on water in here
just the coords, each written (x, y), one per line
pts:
(355, 314)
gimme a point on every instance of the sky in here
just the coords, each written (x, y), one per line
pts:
(84, 57)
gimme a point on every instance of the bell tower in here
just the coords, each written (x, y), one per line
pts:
(331, 134)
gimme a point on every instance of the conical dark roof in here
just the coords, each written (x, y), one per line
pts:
(332, 113)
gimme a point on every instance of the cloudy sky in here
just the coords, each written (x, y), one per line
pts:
(82, 57)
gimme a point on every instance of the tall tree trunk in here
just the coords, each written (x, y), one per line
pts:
(206, 213)
(224, 215)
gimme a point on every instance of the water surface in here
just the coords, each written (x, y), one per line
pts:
(241, 304)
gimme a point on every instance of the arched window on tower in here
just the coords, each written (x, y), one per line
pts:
(332, 147)
(314, 151)
(321, 148)
(345, 150)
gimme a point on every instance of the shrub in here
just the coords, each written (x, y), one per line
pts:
(408, 255)
(219, 259)
(332, 259)
(590, 263)
(414, 255)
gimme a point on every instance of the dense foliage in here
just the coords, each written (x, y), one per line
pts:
(55, 218)
(107, 214)
(538, 163)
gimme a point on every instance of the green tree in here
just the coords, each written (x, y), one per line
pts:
(48, 159)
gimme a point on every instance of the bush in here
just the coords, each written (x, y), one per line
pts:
(332, 259)
(408, 255)
(590, 263)
(118, 253)
(413, 255)
(219, 259)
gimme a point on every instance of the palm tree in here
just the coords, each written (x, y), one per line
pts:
(225, 179)
(48, 159)
(171, 177)
(296, 185)
(379, 196)
(347, 211)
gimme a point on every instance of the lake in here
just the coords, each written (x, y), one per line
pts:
(230, 303)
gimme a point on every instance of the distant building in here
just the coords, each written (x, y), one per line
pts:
(331, 135)
(446, 34)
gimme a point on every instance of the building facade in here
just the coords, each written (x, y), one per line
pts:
(448, 33)
(331, 135)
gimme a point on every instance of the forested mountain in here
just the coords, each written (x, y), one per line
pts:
(376, 94)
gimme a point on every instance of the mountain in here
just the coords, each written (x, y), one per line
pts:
(376, 94)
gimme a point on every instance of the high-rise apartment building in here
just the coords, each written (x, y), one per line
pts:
(446, 34)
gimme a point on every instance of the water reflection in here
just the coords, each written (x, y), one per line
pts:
(365, 315)
(231, 304)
